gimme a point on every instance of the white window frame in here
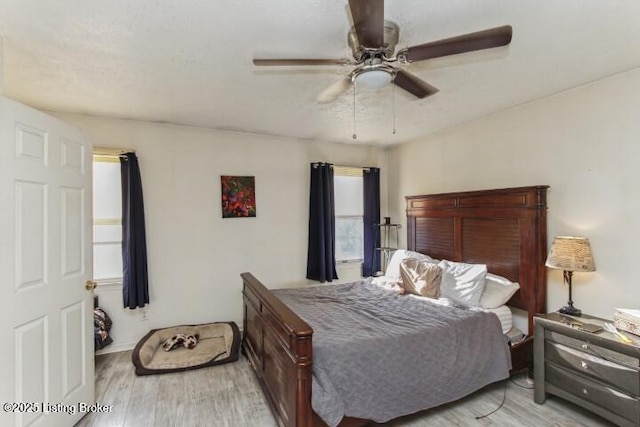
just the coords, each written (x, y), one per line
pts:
(354, 172)
(107, 156)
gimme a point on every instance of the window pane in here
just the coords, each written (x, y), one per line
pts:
(107, 261)
(348, 195)
(349, 238)
(107, 233)
(107, 212)
(107, 199)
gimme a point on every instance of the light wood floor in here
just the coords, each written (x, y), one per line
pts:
(229, 395)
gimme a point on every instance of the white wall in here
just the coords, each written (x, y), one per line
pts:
(1, 65)
(585, 144)
(196, 257)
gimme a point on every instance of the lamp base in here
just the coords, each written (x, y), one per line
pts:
(571, 311)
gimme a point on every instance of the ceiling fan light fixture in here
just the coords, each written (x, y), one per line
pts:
(373, 78)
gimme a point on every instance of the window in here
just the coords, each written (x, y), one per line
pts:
(349, 213)
(107, 219)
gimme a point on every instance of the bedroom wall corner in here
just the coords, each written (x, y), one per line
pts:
(583, 143)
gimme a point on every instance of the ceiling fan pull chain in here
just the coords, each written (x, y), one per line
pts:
(355, 136)
(393, 101)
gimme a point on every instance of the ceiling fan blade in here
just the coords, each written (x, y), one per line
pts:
(368, 20)
(284, 62)
(414, 85)
(486, 39)
(335, 90)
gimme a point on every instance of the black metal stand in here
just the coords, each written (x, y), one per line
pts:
(569, 308)
(386, 248)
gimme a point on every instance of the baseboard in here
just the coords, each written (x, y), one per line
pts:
(116, 348)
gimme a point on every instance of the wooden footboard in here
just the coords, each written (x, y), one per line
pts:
(278, 344)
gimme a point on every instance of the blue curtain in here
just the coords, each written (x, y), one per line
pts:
(371, 204)
(321, 256)
(134, 241)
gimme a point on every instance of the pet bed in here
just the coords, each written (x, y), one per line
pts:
(217, 343)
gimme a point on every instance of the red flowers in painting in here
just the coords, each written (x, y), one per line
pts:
(238, 196)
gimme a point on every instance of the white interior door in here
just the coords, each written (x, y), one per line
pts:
(46, 319)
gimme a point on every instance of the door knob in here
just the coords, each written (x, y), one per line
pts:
(90, 285)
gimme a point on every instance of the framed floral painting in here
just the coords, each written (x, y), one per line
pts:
(238, 196)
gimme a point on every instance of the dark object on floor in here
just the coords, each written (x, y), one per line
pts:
(218, 343)
(101, 327)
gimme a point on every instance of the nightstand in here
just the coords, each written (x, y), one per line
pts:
(592, 370)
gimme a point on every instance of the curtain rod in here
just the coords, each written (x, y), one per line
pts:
(116, 152)
(366, 168)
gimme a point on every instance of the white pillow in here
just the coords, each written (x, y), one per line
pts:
(498, 291)
(463, 283)
(393, 268)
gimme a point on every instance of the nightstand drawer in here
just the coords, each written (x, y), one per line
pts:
(593, 391)
(594, 350)
(621, 377)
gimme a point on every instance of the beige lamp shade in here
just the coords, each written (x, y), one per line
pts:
(571, 254)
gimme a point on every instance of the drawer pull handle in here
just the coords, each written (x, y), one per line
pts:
(585, 346)
(585, 391)
(584, 365)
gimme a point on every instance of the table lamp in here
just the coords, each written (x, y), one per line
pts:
(570, 254)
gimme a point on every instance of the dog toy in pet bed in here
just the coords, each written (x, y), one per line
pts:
(180, 340)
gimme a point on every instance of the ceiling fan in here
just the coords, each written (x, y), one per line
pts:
(373, 42)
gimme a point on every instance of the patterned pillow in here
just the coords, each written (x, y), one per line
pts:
(421, 277)
(393, 268)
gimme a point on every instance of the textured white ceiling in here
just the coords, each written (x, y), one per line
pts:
(189, 61)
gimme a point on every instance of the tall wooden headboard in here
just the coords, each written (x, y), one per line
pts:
(506, 229)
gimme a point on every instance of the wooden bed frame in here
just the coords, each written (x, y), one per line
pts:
(505, 229)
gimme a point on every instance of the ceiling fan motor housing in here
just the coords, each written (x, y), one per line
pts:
(361, 53)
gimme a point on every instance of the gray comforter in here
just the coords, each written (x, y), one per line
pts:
(379, 355)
